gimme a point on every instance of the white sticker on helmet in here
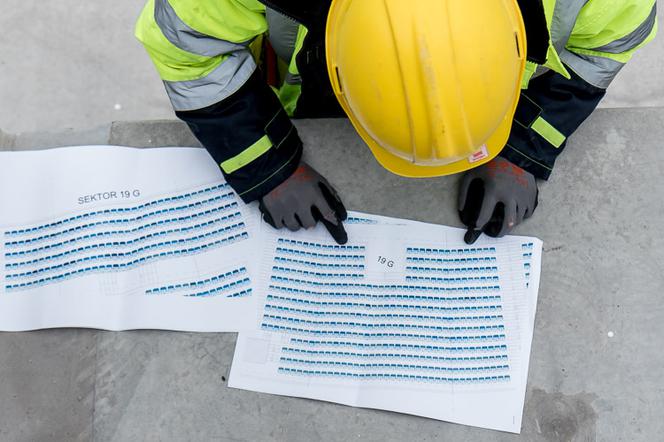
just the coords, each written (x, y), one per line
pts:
(479, 155)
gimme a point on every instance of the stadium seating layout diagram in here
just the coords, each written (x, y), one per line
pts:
(122, 238)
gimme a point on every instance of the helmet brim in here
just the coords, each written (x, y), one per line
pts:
(405, 168)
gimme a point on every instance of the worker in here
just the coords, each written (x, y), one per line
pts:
(490, 88)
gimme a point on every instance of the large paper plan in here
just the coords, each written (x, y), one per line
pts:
(405, 317)
(121, 238)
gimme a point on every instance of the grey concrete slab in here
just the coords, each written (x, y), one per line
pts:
(6, 140)
(47, 381)
(67, 137)
(68, 63)
(640, 84)
(165, 386)
(600, 219)
(152, 134)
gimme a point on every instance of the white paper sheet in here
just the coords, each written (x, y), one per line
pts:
(406, 317)
(120, 238)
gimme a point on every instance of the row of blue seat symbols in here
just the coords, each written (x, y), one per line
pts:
(383, 315)
(240, 294)
(119, 244)
(402, 346)
(219, 289)
(101, 223)
(396, 376)
(467, 279)
(384, 335)
(418, 269)
(429, 357)
(131, 231)
(168, 288)
(118, 210)
(122, 266)
(355, 305)
(319, 255)
(316, 274)
(370, 286)
(388, 295)
(137, 251)
(315, 264)
(464, 328)
(357, 220)
(451, 260)
(360, 365)
(319, 245)
(434, 251)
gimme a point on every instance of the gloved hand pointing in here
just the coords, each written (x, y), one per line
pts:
(302, 200)
(495, 197)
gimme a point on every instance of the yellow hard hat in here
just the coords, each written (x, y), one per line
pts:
(430, 85)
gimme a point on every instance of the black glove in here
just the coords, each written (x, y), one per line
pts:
(495, 197)
(302, 200)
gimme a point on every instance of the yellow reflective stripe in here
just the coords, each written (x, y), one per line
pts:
(172, 63)
(271, 175)
(247, 156)
(548, 132)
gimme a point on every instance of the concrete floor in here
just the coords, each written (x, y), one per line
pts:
(75, 64)
(600, 217)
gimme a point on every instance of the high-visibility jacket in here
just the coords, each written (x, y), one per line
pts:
(207, 53)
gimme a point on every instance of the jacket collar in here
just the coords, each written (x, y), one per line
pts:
(311, 13)
(537, 15)
(538, 18)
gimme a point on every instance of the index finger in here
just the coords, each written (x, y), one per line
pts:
(337, 231)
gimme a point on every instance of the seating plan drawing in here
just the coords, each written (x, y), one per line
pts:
(123, 238)
(405, 317)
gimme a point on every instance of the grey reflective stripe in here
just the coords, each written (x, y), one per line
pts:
(564, 19)
(183, 37)
(633, 39)
(282, 33)
(222, 82)
(219, 84)
(598, 71)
